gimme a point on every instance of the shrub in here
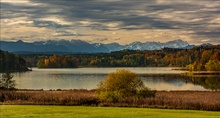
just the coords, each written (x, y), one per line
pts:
(6, 81)
(122, 84)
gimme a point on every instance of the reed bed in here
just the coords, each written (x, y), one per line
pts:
(66, 97)
(193, 100)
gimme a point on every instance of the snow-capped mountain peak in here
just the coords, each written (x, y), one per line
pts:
(80, 46)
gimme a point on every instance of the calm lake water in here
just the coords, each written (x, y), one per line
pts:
(88, 78)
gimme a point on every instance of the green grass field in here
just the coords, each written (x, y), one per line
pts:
(37, 111)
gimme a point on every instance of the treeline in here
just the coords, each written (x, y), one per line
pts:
(56, 61)
(12, 63)
(208, 60)
(199, 58)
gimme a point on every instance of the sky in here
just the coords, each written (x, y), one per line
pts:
(108, 21)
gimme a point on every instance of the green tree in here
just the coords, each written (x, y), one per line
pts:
(6, 81)
(122, 84)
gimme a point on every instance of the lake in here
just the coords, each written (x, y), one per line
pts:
(157, 78)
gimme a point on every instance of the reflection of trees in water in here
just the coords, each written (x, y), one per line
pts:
(212, 83)
(173, 79)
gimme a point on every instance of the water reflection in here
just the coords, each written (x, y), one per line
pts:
(88, 78)
(181, 82)
(211, 83)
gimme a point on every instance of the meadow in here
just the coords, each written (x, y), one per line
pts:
(188, 100)
(39, 111)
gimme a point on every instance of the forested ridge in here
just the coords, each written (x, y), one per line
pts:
(197, 59)
(10, 62)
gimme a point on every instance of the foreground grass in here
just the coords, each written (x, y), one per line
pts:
(37, 111)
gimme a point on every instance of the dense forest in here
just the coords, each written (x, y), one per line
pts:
(56, 61)
(195, 59)
(12, 63)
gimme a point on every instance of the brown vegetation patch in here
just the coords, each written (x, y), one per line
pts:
(70, 97)
(196, 100)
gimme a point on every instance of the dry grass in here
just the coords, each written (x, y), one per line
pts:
(70, 97)
(196, 100)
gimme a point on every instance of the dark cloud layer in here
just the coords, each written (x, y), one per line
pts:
(199, 16)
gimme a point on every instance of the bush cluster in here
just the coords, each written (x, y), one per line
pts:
(122, 84)
(7, 82)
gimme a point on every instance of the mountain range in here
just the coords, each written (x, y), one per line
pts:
(79, 46)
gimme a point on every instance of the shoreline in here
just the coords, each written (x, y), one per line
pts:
(215, 74)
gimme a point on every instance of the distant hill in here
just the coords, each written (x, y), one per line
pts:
(79, 46)
(60, 46)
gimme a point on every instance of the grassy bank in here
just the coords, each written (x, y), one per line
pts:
(193, 100)
(36, 111)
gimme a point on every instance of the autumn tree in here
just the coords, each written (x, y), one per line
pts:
(56, 61)
(216, 56)
(206, 56)
(213, 65)
(122, 84)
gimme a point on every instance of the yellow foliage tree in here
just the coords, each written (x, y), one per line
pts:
(122, 84)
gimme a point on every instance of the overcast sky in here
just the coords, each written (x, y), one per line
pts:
(106, 21)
